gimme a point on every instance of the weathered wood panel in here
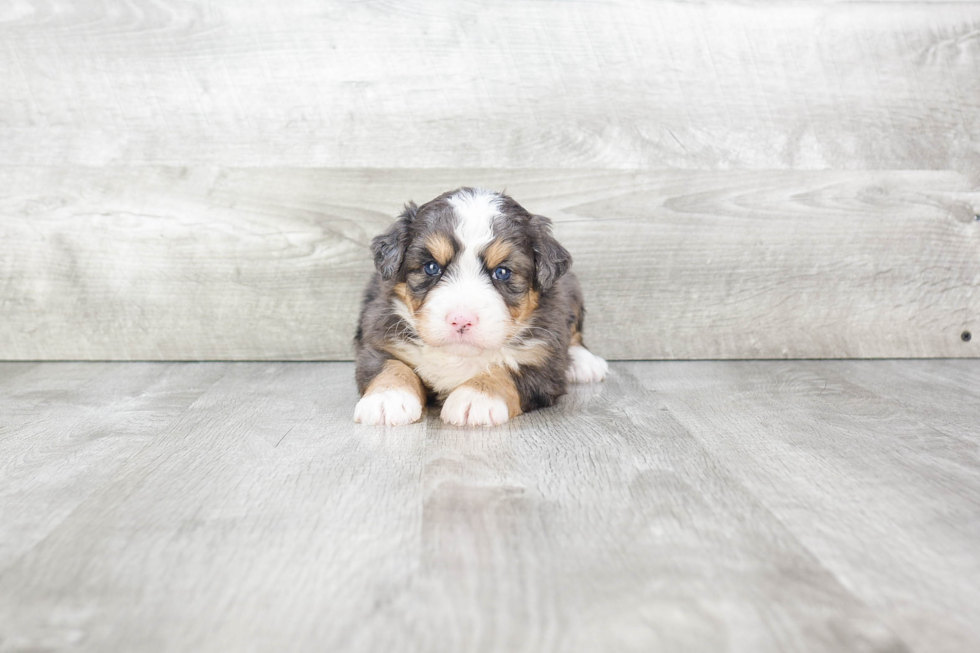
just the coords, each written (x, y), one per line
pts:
(241, 263)
(262, 518)
(347, 109)
(848, 85)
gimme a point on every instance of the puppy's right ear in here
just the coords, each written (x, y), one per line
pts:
(389, 248)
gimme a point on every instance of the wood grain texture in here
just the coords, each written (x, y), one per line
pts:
(261, 515)
(758, 507)
(66, 428)
(198, 180)
(748, 84)
(944, 396)
(161, 263)
(854, 443)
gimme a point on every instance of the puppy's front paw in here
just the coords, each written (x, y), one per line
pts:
(388, 408)
(584, 366)
(468, 407)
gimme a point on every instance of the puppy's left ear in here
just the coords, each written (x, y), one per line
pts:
(551, 260)
(389, 248)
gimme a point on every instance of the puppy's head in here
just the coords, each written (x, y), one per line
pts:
(469, 268)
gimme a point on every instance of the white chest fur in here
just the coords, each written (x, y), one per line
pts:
(444, 371)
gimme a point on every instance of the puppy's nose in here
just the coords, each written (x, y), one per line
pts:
(462, 320)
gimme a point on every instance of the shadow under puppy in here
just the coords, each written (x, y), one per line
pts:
(472, 305)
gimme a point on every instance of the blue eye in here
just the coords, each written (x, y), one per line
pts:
(501, 274)
(432, 268)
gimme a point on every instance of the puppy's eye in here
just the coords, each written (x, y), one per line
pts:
(432, 268)
(501, 274)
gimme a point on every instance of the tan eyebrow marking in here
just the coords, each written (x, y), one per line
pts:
(441, 248)
(496, 253)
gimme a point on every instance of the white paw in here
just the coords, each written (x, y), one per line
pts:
(468, 407)
(388, 408)
(584, 366)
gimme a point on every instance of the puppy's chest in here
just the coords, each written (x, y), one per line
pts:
(444, 372)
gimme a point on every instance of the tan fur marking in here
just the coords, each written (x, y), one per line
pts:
(401, 292)
(528, 305)
(497, 382)
(441, 248)
(496, 253)
(396, 375)
(576, 334)
(422, 322)
(535, 354)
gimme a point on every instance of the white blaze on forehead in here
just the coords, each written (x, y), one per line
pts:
(467, 286)
(475, 211)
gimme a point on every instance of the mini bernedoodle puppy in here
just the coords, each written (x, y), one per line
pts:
(472, 305)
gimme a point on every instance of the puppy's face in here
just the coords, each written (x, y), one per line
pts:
(469, 269)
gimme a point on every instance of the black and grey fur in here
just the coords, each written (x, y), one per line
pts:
(540, 264)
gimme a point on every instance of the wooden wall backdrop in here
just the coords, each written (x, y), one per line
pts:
(193, 179)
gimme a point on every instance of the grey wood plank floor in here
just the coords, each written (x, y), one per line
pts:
(683, 506)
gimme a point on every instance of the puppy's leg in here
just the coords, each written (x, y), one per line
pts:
(394, 397)
(487, 399)
(584, 366)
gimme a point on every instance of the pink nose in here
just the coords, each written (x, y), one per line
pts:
(462, 320)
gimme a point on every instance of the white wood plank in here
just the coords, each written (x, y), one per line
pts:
(626, 534)
(258, 512)
(761, 85)
(153, 263)
(783, 265)
(263, 517)
(943, 394)
(67, 428)
(884, 500)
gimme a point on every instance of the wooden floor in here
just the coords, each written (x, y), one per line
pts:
(684, 506)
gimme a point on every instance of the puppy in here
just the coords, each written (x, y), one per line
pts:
(473, 306)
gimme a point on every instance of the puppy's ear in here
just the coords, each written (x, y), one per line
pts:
(551, 260)
(389, 248)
